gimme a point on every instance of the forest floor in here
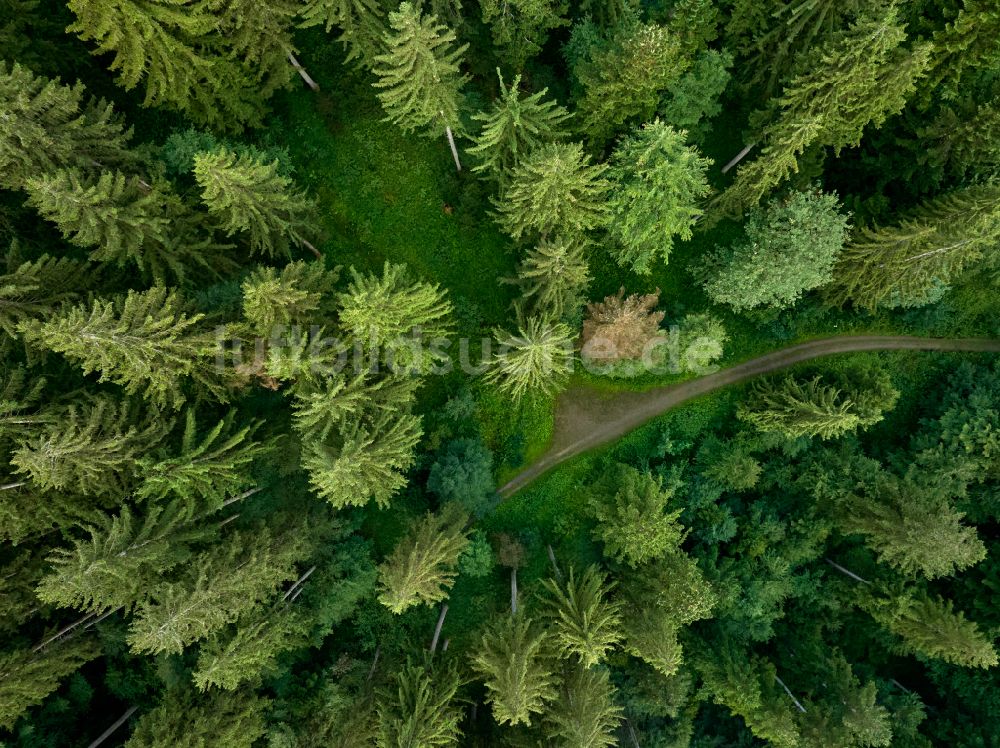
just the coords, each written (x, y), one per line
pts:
(587, 417)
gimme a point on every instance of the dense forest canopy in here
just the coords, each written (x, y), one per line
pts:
(292, 289)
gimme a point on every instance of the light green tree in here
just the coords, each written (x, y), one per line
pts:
(422, 567)
(418, 77)
(586, 622)
(146, 342)
(35, 288)
(658, 182)
(247, 195)
(584, 715)
(537, 360)
(49, 126)
(790, 248)
(910, 263)
(554, 190)
(553, 277)
(630, 507)
(419, 709)
(362, 25)
(512, 661)
(186, 719)
(299, 294)
(514, 127)
(176, 49)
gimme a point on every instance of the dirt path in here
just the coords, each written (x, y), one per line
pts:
(586, 418)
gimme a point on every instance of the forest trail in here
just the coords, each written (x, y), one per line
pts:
(587, 418)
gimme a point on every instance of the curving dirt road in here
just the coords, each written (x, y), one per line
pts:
(586, 418)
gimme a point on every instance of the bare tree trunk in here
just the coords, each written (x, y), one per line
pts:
(513, 590)
(451, 142)
(244, 495)
(298, 582)
(311, 248)
(437, 629)
(631, 732)
(63, 631)
(118, 723)
(846, 572)
(738, 157)
(302, 71)
(444, 647)
(371, 671)
(555, 566)
(8, 486)
(797, 703)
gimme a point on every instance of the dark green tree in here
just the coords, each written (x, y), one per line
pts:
(520, 27)
(186, 718)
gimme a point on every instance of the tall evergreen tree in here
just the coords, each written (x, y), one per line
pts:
(554, 191)
(91, 449)
(28, 677)
(35, 288)
(299, 294)
(909, 264)
(147, 343)
(49, 126)
(514, 127)
(419, 79)
(247, 195)
(658, 182)
(553, 277)
(538, 360)
(586, 622)
(175, 48)
(224, 582)
(421, 568)
(259, 34)
(520, 27)
(857, 79)
(584, 715)
(512, 660)
(967, 44)
(421, 709)
(185, 718)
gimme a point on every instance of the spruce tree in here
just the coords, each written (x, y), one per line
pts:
(910, 263)
(966, 45)
(112, 215)
(514, 127)
(633, 521)
(362, 25)
(35, 288)
(343, 401)
(856, 80)
(585, 714)
(224, 582)
(930, 627)
(249, 196)
(624, 77)
(586, 623)
(422, 567)
(208, 468)
(146, 342)
(537, 360)
(49, 126)
(553, 278)
(554, 191)
(28, 677)
(123, 556)
(173, 46)
(419, 708)
(259, 34)
(658, 182)
(301, 293)
(91, 449)
(512, 660)
(186, 718)
(520, 27)
(419, 79)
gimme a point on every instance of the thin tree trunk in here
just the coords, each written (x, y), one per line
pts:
(555, 566)
(444, 647)
(513, 590)
(847, 572)
(437, 629)
(118, 723)
(371, 671)
(302, 71)
(298, 582)
(8, 486)
(63, 631)
(244, 495)
(311, 248)
(797, 703)
(631, 732)
(904, 688)
(98, 620)
(738, 157)
(451, 142)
